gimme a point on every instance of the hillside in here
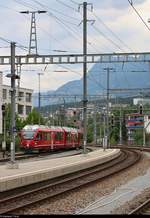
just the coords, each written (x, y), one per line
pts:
(127, 75)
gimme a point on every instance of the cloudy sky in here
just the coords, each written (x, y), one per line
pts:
(117, 28)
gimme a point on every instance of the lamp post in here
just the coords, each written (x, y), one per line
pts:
(39, 97)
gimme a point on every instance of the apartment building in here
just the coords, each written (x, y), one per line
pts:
(23, 100)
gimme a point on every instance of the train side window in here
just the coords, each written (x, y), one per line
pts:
(68, 137)
(44, 135)
(58, 136)
(39, 136)
(76, 138)
(48, 136)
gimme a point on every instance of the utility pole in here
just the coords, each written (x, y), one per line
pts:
(85, 4)
(95, 129)
(33, 35)
(64, 112)
(13, 103)
(100, 129)
(13, 77)
(144, 137)
(108, 69)
(4, 128)
(39, 74)
(104, 137)
(120, 131)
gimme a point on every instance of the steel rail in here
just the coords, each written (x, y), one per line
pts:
(143, 209)
(22, 156)
(68, 183)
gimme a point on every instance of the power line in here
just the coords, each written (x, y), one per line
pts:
(42, 28)
(60, 21)
(130, 2)
(76, 3)
(24, 4)
(109, 29)
(74, 18)
(5, 40)
(107, 38)
(66, 5)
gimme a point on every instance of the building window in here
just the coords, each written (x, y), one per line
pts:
(28, 109)
(4, 94)
(21, 95)
(20, 109)
(9, 93)
(28, 97)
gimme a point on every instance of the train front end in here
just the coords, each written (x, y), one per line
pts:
(27, 138)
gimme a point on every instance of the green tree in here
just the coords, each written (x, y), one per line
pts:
(34, 117)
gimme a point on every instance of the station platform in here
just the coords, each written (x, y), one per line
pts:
(36, 171)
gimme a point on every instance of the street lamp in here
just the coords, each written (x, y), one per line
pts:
(39, 105)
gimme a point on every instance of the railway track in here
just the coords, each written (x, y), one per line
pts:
(22, 156)
(143, 209)
(141, 148)
(17, 201)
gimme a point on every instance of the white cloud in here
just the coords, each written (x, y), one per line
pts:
(117, 14)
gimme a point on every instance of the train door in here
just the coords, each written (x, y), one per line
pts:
(38, 140)
(52, 140)
(68, 139)
(46, 142)
(76, 140)
(73, 139)
(59, 140)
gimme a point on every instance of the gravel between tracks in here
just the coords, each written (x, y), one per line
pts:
(130, 205)
(79, 199)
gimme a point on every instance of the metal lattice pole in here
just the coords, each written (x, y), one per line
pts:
(33, 35)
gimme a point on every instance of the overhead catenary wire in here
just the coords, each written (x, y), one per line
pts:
(73, 32)
(61, 22)
(145, 24)
(107, 38)
(41, 27)
(68, 6)
(57, 11)
(110, 30)
(24, 47)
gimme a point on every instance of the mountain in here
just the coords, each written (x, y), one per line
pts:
(127, 75)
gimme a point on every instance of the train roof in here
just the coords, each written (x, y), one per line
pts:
(135, 114)
(35, 127)
(54, 128)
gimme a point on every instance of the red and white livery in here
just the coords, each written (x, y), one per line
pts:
(40, 137)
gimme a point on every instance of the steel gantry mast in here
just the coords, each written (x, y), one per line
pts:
(77, 58)
(33, 35)
(35, 58)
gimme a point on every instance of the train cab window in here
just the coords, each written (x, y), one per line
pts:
(28, 134)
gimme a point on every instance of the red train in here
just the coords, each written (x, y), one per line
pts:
(40, 137)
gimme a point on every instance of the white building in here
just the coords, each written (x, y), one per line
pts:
(142, 101)
(147, 123)
(23, 100)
